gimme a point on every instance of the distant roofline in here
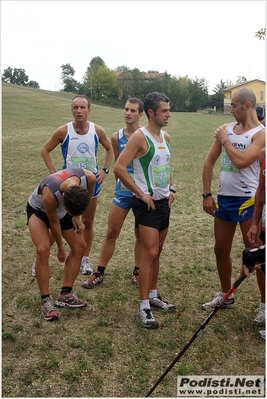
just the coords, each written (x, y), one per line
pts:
(242, 84)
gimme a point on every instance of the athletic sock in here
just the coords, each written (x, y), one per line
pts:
(101, 270)
(45, 296)
(152, 294)
(66, 290)
(144, 304)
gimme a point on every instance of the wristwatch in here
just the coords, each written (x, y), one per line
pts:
(172, 189)
(205, 195)
(105, 170)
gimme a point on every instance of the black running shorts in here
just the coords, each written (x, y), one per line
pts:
(158, 218)
(65, 222)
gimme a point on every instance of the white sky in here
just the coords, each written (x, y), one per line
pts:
(205, 39)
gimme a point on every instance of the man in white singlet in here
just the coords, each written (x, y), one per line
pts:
(238, 145)
(122, 201)
(79, 142)
(149, 150)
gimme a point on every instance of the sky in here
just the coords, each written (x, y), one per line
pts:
(211, 40)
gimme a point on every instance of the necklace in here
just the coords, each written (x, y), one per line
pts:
(80, 130)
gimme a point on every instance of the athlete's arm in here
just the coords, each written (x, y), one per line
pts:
(253, 233)
(114, 143)
(57, 137)
(91, 180)
(135, 147)
(106, 144)
(209, 205)
(242, 159)
(50, 204)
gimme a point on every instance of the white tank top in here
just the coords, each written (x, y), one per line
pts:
(80, 150)
(152, 170)
(239, 182)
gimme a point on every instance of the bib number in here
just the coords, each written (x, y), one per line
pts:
(83, 162)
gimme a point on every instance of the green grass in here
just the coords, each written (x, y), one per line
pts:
(101, 351)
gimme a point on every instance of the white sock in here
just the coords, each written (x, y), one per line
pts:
(152, 294)
(144, 304)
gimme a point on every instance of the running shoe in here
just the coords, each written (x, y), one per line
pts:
(135, 278)
(48, 310)
(94, 280)
(158, 304)
(33, 269)
(260, 317)
(85, 267)
(262, 334)
(70, 300)
(147, 319)
(217, 300)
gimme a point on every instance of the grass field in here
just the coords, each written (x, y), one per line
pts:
(101, 351)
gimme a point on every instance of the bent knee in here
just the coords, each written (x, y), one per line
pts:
(43, 253)
(79, 248)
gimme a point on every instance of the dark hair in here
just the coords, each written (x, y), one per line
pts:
(260, 113)
(152, 101)
(81, 96)
(76, 199)
(136, 100)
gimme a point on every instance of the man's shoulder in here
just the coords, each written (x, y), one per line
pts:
(98, 128)
(63, 129)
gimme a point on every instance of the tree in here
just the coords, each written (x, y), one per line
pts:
(16, 76)
(33, 83)
(217, 98)
(240, 79)
(104, 84)
(89, 77)
(70, 84)
(261, 34)
(198, 94)
(8, 75)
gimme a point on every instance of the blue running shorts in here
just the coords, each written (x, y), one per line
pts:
(123, 201)
(234, 209)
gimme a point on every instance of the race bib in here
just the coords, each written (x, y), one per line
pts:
(227, 165)
(84, 163)
(161, 175)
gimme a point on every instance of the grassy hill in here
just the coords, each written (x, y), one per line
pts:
(101, 351)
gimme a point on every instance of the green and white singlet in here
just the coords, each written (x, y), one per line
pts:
(152, 170)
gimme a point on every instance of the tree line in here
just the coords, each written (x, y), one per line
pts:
(19, 77)
(113, 87)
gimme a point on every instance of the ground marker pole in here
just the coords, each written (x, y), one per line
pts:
(201, 328)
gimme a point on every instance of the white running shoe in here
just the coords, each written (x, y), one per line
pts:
(217, 300)
(157, 303)
(33, 269)
(262, 334)
(86, 266)
(147, 319)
